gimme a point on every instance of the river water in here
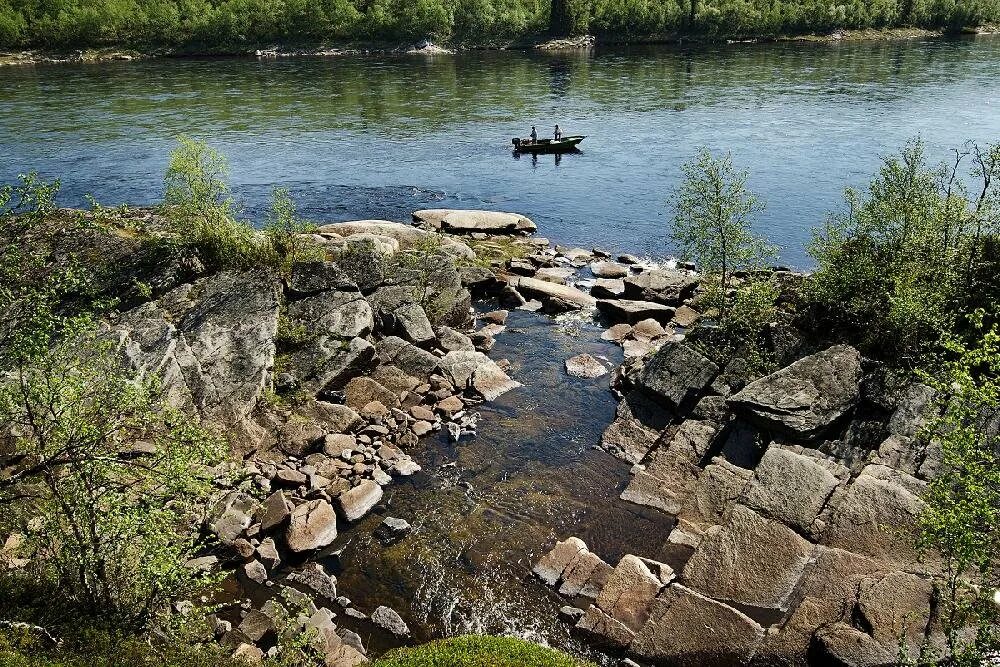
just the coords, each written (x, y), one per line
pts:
(380, 137)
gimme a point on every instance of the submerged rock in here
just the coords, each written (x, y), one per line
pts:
(585, 366)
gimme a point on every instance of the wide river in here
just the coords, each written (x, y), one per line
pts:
(356, 137)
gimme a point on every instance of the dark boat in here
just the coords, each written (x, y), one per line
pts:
(564, 145)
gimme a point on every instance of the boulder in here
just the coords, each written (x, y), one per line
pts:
(357, 502)
(211, 343)
(608, 288)
(361, 391)
(600, 627)
(316, 579)
(876, 517)
(670, 287)
(608, 270)
(473, 221)
(748, 560)
(585, 366)
(585, 576)
(407, 236)
(333, 313)
(677, 373)
(896, 610)
(327, 362)
(388, 619)
(688, 629)
(648, 329)
(230, 515)
(719, 485)
(620, 310)
(617, 333)
(450, 340)
(313, 525)
(803, 399)
(476, 371)
(631, 589)
(685, 316)
(555, 297)
(308, 278)
(406, 356)
(274, 511)
(792, 488)
(845, 646)
(555, 274)
(551, 567)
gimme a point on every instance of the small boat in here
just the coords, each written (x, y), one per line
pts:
(564, 145)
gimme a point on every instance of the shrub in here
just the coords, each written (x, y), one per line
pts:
(285, 233)
(478, 651)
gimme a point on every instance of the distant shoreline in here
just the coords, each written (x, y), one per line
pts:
(112, 54)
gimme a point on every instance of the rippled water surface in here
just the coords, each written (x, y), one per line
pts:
(378, 137)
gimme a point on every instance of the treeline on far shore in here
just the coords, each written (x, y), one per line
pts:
(238, 24)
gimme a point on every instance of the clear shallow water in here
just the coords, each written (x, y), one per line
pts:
(379, 137)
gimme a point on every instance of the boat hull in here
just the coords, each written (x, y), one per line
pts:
(565, 145)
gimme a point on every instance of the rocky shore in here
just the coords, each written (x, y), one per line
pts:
(794, 491)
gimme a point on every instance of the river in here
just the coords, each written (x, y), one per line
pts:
(377, 137)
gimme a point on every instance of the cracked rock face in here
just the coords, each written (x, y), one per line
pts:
(211, 342)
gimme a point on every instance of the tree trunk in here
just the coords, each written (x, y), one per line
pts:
(560, 22)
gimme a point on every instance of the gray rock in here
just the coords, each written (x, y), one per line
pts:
(388, 619)
(309, 278)
(393, 528)
(555, 297)
(267, 551)
(608, 288)
(337, 314)
(313, 525)
(690, 630)
(621, 310)
(667, 286)
(599, 626)
(551, 567)
(230, 516)
(361, 391)
(677, 373)
(327, 362)
(630, 591)
(585, 366)
(635, 429)
(845, 646)
(471, 221)
(274, 511)
(803, 399)
(317, 580)
(748, 560)
(357, 502)
(792, 488)
(608, 270)
(255, 571)
(450, 340)
(555, 274)
(474, 370)
(408, 357)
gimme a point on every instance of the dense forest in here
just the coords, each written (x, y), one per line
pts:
(235, 24)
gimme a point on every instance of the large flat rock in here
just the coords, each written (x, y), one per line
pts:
(563, 297)
(803, 399)
(792, 488)
(631, 589)
(667, 286)
(469, 221)
(313, 525)
(748, 560)
(476, 371)
(621, 310)
(688, 629)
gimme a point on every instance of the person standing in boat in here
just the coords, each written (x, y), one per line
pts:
(558, 133)
(534, 135)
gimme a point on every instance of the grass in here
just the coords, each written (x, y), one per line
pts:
(478, 651)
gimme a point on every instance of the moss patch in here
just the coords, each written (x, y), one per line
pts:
(478, 651)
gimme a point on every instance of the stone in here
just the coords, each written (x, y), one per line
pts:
(555, 274)
(585, 366)
(357, 502)
(672, 471)
(570, 614)
(374, 411)
(267, 551)
(450, 340)
(309, 278)
(635, 429)
(551, 567)
(748, 560)
(688, 629)
(896, 610)
(230, 516)
(338, 314)
(470, 221)
(421, 428)
(335, 443)
(914, 407)
(677, 374)
(648, 330)
(608, 288)
(408, 357)
(273, 511)
(791, 488)
(393, 528)
(670, 287)
(211, 345)
(621, 310)
(404, 467)
(313, 525)
(361, 391)
(412, 324)
(803, 399)
(388, 619)
(846, 646)
(600, 626)
(329, 361)
(608, 270)
(557, 298)
(474, 370)
(617, 333)
(316, 579)
(719, 485)
(290, 478)
(249, 654)
(580, 575)
(876, 517)
(686, 316)
(422, 412)
(255, 571)
(256, 625)
(630, 590)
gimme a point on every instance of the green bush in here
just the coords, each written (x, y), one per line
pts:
(478, 651)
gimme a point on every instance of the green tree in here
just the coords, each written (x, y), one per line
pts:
(286, 233)
(961, 522)
(714, 212)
